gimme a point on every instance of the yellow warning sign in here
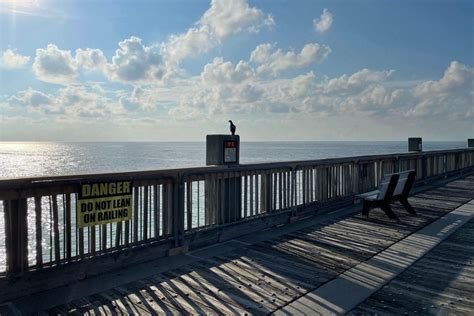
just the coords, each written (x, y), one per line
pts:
(104, 202)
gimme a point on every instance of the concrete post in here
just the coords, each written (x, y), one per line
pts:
(222, 150)
(415, 144)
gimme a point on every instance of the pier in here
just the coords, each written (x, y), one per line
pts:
(283, 238)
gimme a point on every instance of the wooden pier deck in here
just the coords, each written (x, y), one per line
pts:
(264, 272)
(442, 282)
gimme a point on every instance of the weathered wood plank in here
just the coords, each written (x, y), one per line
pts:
(193, 298)
(245, 178)
(433, 285)
(103, 238)
(68, 228)
(276, 283)
(251, 194)
(189, 205)
(136, 210)
(257, 194)
(39, 230)
(213, 292)
(250, 280)
(118, 234)
(156, 209)
(230, 286)
(294, 273)
(145, 220)
(57, 251)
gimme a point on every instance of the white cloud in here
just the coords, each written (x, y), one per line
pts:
(219, 72)
(229, 17)
(23, 7)
(225, 87)
(355, 82)
(185, 113)
(274, 61)
(298, 87)
(135, 62)
(11, 60)
(208, 101)
(71, 101)
(221, 20)
(324, 22)
(54, 65)
(80, 101)
(35, 101)
(32, 97)
(363, 92)
(90, 58)
(157, 97)
(452, 95)
(228, 88)
(139, 98)
(36, 8)
(195, 40)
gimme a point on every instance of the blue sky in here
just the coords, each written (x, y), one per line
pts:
(284, 70)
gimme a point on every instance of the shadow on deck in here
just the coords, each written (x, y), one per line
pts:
(261, 273)
(439, 283)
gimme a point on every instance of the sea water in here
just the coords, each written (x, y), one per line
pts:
(26, 159)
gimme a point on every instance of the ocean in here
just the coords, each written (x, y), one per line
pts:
(26, 159)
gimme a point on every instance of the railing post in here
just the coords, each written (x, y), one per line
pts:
(177, 215)
(294, 202)
(355, 177)
(424, 166)
(397, 164)
(178, 211)
(362, 176)
(230, 207)
(266, 189)
(16, 238)
(445, 164)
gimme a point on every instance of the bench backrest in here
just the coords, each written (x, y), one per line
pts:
(387, 187)
(405, 182)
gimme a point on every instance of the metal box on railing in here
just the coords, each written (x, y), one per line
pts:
(222, 149)
(415, 144)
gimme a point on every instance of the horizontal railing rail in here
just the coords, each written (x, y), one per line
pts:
(38, 215)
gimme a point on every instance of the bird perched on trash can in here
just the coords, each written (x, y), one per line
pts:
(232, 127)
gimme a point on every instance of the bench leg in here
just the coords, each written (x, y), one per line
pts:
(388, 210)
(366, 208)
(407, 206)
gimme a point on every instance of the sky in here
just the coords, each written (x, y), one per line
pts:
(296, 70)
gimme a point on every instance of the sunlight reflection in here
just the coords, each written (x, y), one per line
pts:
(24, 7)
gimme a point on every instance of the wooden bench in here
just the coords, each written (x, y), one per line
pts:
(393, 187)
(404, 185)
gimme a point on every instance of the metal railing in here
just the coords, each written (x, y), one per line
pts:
(174, 206)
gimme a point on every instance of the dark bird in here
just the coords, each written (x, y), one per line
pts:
(232, 127)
